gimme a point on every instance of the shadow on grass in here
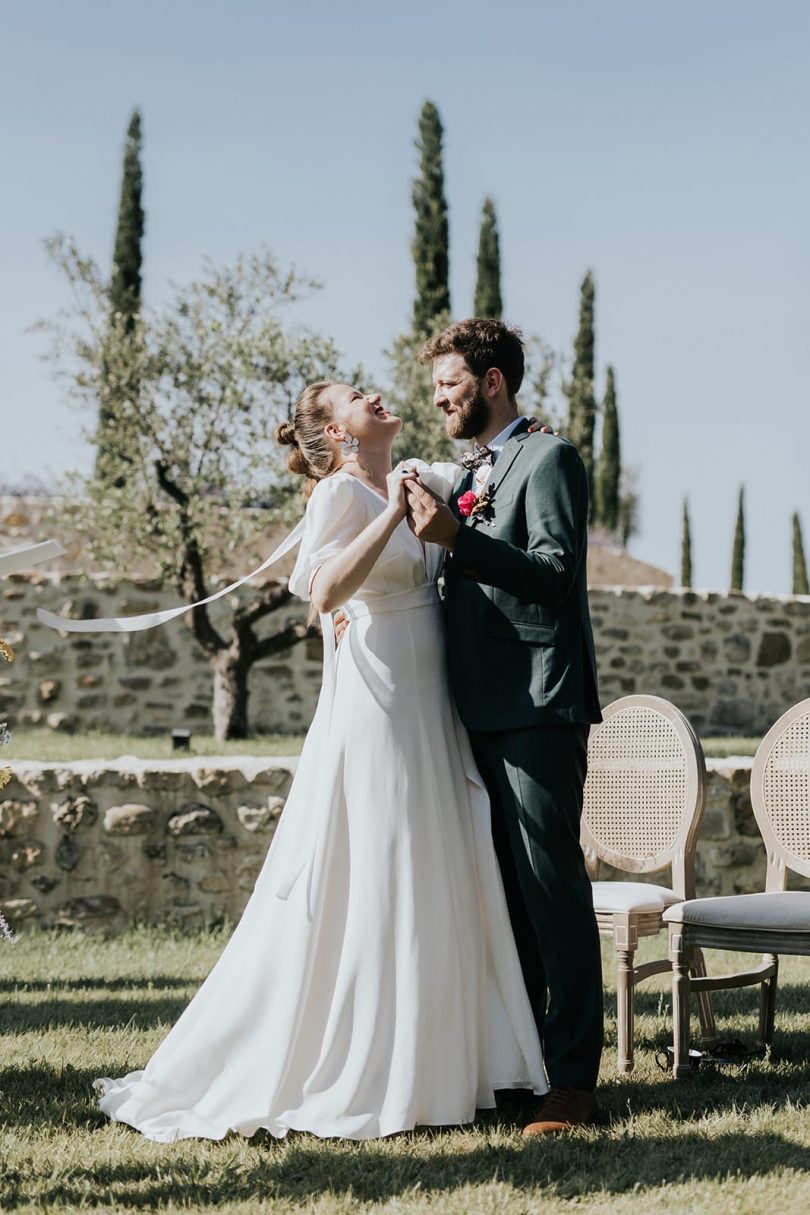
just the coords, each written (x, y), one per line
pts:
(92, 1014)
(791, 998)
(159, 983)
(565, 1168)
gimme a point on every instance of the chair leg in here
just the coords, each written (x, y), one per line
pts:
(625, 980)
(767, 1004)
(708, 1028)
(680, 1005)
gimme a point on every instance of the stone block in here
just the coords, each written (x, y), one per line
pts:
(15, 816)
(18, 909)
(63, 723)
(48, 690)
(715, 825)
(24, 854)
(44, 883)
(214, 882)
(67, 853)
(774, 649)
(194, 819)
(132, 818)
(261, 818)
(74, 813)
(190, 854)
(90, 911)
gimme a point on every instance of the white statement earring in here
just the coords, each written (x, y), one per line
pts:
(349, 445)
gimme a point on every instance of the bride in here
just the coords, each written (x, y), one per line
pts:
(372, 984)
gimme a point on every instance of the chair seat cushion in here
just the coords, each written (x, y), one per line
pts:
(783, 911)
(631, 896)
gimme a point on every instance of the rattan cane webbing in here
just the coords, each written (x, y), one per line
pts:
(786, 787)
(637, 786)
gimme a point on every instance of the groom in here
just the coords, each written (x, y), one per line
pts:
(523, 674)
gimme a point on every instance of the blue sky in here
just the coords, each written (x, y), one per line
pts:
(667, 147)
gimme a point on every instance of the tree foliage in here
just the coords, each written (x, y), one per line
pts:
(488, 299)
(609, 464)
(125, 302)
(214, 369)
(410, 395)
(431, 239)
(686, 547)
(800, 582)
(581, 400)
(738, 549)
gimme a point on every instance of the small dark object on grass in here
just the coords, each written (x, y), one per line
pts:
(728, 1050)
(181, 740)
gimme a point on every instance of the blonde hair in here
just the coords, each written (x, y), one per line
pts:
(313, 455)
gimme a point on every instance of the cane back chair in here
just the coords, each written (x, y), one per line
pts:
(644, 798)
(776, 921)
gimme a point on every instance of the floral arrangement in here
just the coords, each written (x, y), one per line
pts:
(7, 654)
(480, 504)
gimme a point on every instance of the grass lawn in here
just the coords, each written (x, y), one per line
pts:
(46, 747)
(729, 1142)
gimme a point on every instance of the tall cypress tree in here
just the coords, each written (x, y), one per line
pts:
(125, 304)
(738, 551)
(488, 300)
(686, 547)
(431, 240)
(609, 467)
(800, 582)
(581, 400)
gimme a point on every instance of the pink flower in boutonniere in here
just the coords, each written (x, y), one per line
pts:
(481, 504)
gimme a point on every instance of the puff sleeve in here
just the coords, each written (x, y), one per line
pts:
(335, 515)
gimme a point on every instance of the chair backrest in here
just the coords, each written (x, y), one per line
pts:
(780, 795)
(645, 791)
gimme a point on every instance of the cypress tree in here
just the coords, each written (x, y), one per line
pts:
(125, 306)
(686, 547)
(430, 246)
(609, 468)
(488, 301)
(125, 286)
(800, 582)
(738, 552)
(581, 402)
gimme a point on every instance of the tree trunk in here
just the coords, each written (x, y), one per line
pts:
(230, 709)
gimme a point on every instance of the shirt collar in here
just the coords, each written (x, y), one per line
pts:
(497, 444)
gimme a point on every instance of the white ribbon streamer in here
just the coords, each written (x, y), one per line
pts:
(32, 554)
(150, 620)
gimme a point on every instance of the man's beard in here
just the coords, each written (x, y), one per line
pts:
(470, 418)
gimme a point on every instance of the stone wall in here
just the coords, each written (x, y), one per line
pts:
(136, 683)
(93, 845)
(732, 663)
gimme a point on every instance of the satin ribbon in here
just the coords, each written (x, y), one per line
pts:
(31, 554)
(150, 620)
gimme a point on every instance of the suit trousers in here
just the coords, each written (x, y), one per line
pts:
(535, 779)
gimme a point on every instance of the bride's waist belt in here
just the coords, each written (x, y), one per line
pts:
(422, 596)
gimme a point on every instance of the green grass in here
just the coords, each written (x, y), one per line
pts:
(46, 747)
(729, 1141)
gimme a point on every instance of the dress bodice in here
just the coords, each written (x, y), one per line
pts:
(340, 507)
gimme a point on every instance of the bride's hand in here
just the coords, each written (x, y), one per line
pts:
(396, 481)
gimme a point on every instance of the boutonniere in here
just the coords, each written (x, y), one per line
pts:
(481, 504)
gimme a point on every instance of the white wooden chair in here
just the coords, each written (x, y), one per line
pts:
(644, 798)
(776, 921)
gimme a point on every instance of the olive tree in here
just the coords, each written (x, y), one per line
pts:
(214, 369)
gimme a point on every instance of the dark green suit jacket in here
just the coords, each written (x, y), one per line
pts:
(520, 643)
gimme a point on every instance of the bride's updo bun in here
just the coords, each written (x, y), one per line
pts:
(311, 454)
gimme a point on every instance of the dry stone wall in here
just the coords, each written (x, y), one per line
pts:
(96, 846)
(732, 663)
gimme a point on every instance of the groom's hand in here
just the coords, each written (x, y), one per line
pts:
(429, 517)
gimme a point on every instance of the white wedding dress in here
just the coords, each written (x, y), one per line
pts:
(372, 984)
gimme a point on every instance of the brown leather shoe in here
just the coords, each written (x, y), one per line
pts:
(563, 1109)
